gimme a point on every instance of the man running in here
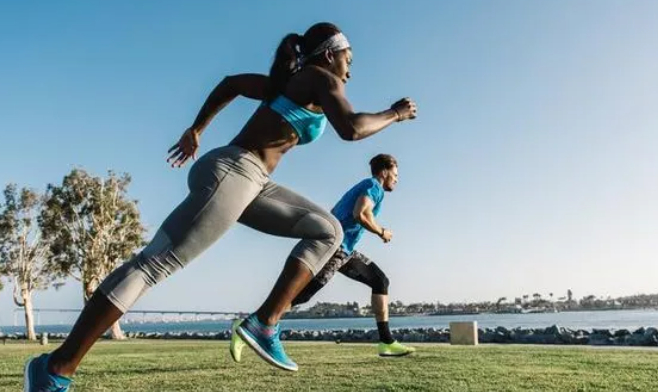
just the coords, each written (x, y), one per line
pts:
(356, 212)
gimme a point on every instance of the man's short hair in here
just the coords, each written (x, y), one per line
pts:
(381, 162)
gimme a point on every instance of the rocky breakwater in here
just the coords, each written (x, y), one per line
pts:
(551, 335)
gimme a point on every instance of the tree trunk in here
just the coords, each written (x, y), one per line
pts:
(115, 330)
(29, 316)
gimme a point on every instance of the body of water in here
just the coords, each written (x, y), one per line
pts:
(611, 319)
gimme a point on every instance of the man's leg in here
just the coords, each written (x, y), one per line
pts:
(364, 270)
(323, 277)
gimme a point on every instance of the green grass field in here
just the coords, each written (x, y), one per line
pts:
(207, 366)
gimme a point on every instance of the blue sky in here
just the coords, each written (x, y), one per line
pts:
(531, 166)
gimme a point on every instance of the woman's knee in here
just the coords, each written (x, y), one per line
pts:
(320, 225)
(334, 237)
(337, 232)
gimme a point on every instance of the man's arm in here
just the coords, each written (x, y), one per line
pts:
(363, 214)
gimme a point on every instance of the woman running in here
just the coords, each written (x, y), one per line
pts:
(304, 89)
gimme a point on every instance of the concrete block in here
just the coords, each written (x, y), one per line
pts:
(464, 333)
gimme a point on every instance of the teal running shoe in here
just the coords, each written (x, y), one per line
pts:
(264, 340)
(38, 379)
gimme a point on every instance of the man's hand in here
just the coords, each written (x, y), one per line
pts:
(386, 235)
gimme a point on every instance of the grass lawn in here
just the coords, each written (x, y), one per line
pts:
(145, 365)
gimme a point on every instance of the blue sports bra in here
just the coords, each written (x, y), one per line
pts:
(307, 124)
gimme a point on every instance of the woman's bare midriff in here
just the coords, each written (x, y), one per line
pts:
(268, 136)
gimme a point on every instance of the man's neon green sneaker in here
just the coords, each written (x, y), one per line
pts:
(395, 349)
(237, 344)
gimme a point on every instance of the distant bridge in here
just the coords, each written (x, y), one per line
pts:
(228, 315)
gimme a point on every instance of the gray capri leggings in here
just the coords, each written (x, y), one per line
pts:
(227, 185)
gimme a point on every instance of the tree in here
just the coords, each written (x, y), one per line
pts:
(93, 227)
(23, 249)
(588, 301)
(500, 301)
(3, 272)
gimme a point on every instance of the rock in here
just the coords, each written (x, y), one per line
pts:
(602, 332)
(639, 331)
(598, 339)
(552, 330)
